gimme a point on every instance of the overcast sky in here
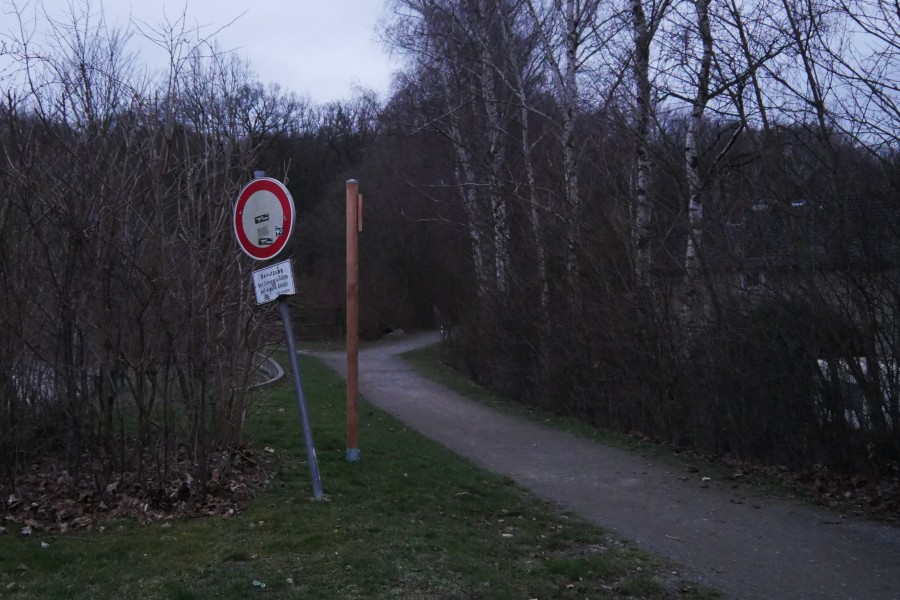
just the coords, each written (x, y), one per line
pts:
(320, 48)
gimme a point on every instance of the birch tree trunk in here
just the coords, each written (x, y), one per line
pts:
(465, 178)
(511, 74)
(691, 152)
(569, 88)
(534, 214)
(565, 76)
(642, 211)
(496, 157)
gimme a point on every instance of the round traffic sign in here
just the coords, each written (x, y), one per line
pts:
(263, 218)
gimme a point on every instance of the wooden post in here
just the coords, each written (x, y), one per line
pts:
(354, 225)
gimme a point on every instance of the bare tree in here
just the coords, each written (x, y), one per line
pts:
(562, 30)
(122, 188)
(454, 53)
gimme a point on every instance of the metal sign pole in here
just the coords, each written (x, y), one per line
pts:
(301, 401)
(264, 218)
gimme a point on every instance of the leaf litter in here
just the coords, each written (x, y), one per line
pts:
(46, 499)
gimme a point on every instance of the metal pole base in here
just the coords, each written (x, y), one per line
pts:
(352, 454)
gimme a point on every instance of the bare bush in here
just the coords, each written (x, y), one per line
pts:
(129, 338)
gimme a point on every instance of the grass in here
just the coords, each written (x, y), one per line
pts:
(332, 345)
(411, 520)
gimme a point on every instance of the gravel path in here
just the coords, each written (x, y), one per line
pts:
(746, 546)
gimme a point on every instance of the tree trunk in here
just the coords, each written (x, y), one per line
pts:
(642, 211)
(569, 87)
(465, 179)
(496, 158)
(691, 151)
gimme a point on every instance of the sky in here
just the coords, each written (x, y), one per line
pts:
(319, 48)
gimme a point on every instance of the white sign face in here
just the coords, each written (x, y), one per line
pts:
(273, 281)
(263, 218)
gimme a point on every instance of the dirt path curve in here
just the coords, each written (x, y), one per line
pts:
(747, 547)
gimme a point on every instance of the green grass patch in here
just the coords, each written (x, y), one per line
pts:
(335, 345)
(410, 520)
(322, 345)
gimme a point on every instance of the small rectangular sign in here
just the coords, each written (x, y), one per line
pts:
(274, 281)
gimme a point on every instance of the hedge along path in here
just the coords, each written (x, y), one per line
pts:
(746, 547)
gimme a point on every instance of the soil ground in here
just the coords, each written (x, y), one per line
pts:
(748, 547)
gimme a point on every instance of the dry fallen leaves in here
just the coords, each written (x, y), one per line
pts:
(47, 500)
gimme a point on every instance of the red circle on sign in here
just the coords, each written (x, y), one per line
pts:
(263, 218)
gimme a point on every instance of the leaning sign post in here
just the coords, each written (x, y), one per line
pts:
(263, 222)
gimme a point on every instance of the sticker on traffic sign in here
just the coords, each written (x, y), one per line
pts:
(263, 218)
